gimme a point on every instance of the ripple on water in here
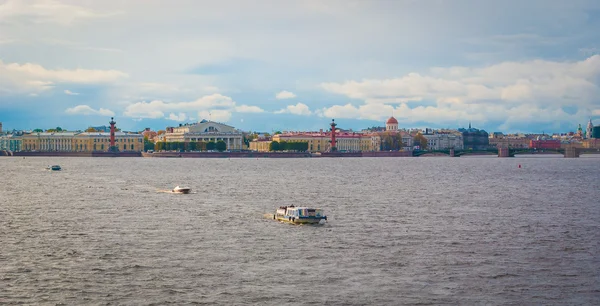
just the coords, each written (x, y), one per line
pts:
(400, 231)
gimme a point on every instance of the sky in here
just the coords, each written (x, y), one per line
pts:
(265, 65)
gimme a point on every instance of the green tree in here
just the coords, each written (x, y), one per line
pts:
(38, 131)
(211, 146)
(274, 146)
(160, 146)
(148, 145)
(420, 141)
(283, 145)
(391, 141)
(302, 146)
(193, 146)
(201, 146)
(221, 146)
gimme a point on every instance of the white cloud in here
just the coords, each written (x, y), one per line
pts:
(285, 95)
(70, 93)
(218, 105)
(178, 117)
(248, 109)
(497, 92)
(217, 115)
(87, 110)
(29, 77)
(47, 11)
(298, 109)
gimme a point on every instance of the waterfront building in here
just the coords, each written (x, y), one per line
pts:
(509, 141)
(260, 145)
(542, 143)
(206, 131)
(589, 129)
(10, 143)
(345, 141)
(444, 141)
(150, 134)
(596, 132)
(81, 142)
(474, 139)
(591, 143)
(391, 124)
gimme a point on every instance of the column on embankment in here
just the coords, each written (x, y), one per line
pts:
(503, 152)
(571, 152)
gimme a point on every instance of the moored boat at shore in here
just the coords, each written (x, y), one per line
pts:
(299, 215)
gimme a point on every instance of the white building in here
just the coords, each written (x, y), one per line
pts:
(206, 131)
(444, 141)
(10, 143)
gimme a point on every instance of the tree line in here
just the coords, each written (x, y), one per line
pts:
(288, 146)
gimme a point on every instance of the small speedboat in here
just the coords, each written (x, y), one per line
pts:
(178, 189)
(299, 215)
(54, 168)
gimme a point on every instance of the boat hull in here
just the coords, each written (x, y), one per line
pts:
(300, 220)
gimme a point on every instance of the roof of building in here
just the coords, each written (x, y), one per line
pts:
(392, 120)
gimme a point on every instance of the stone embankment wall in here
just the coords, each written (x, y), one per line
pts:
(226, 155)
(79, 154)
(217, 154)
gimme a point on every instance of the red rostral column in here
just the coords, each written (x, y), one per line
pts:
(333, 125)
(112, 133)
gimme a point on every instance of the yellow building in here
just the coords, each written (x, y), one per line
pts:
(81, 142)
(321, 141)
(206, 131)
(259, 145)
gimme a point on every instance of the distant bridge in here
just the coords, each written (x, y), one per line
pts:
(570, 152)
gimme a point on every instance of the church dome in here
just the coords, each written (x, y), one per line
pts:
(392, 120)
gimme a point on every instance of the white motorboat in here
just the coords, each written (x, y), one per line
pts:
(178, 189)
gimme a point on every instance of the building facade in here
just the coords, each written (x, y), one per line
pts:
(321, 141)
(206, 131)
(552, 144)
(10, 143)
(475, 139)
(81, 142)
(259, 145)
(444, 141)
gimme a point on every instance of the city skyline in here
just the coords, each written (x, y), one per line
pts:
(512, 67)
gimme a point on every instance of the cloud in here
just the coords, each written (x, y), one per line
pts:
(248, 109)
(70, 93)
(285, 95)
(87, 110)
(218, 115)
(18, 78)
(47, 11)
(298, 109)
(495, 92)
(218, 105)
(178, 117)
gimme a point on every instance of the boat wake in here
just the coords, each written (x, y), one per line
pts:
(174, 192)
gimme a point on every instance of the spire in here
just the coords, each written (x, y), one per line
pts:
(469, 125)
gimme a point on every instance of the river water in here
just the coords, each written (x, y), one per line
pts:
(428, 231)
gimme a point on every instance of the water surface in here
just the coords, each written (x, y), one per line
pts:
(399, 231)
